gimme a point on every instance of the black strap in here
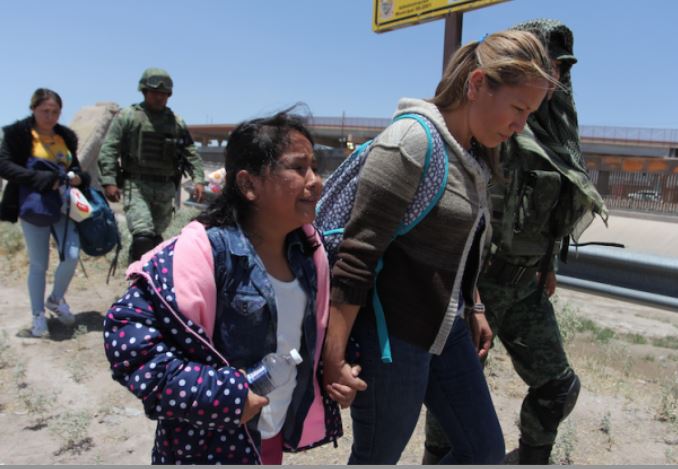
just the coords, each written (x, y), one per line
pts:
(62, 250)
(62, 254)
(544, 268)
(148, 177)
(82, 266)
(114, 263)
(600, 243)
(565, 249)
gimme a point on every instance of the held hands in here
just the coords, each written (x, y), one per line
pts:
(253, 406)
(112, 192)
(340, 379)
(342, 383)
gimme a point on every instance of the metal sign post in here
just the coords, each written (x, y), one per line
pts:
(453, 26)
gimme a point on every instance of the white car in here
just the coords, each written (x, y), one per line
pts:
(653, 196)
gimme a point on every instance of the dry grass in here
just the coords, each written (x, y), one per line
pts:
(71, 428)
(627, 411)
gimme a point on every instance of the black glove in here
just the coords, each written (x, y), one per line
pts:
(85, 178)
(44, 180)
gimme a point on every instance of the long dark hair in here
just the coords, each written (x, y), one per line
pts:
(254, 145)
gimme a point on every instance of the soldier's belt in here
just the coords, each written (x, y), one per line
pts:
(512, 275)
(151, 178)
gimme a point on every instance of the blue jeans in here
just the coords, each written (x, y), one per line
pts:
(452, 386)
(37, 245)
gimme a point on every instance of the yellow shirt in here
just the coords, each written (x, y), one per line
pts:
(52, 148)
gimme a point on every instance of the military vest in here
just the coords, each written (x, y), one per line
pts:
(533, 208)
(154, 144)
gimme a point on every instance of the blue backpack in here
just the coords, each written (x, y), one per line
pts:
(41, 208)
(336, 203)
(99, 232)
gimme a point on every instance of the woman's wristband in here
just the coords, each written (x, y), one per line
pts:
(478, 308)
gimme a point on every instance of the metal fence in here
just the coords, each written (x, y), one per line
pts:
(645, 192)
(640, 205)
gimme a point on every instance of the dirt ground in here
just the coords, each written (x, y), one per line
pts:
(58, 403)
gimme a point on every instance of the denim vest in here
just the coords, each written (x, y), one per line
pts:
(247, 317)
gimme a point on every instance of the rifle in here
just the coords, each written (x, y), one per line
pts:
(184, 167)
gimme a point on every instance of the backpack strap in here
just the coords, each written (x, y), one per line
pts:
(429, 191)
(114, 262)
(67, 200)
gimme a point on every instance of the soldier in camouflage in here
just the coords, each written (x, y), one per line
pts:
(544, 198)
(145, 153)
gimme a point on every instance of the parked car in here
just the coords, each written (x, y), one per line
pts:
(650, 195)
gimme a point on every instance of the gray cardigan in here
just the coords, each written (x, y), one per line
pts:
(427, 271)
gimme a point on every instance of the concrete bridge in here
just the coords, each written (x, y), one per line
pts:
(602, 140)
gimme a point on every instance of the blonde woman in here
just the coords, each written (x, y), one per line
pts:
(487, 92)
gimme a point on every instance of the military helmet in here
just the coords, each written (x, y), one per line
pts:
(155, 79)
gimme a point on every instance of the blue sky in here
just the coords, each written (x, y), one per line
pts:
(233, 60)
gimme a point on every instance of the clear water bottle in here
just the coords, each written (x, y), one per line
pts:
(273, 371)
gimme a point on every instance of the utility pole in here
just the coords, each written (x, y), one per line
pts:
(453, 26)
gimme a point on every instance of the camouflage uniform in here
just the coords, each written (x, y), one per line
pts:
(544, 199)
(144, 154)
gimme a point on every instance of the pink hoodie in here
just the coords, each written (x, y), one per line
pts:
(196, 294)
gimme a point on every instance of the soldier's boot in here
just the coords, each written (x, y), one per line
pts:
(140, 245)
(533, 454)
(436, 444)
(433, 454)
(543, 410)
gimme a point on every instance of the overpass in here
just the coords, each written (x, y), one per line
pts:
(633, 168)
(603, 140)
(329, 131)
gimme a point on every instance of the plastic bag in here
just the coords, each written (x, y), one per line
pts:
(79, 208)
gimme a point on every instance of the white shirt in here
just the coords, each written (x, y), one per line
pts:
(290, 300)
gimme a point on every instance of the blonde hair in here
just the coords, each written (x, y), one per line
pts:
(507, 58)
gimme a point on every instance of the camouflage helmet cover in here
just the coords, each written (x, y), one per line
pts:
(155, 79)
(554, 35)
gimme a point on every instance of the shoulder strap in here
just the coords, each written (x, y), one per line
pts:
(430, 190)
(433, 177)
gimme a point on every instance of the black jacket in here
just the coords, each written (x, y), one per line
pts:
(17, 147)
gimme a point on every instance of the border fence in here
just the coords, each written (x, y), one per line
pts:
(646, 192)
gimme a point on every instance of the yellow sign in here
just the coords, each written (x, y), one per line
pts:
(392, 14)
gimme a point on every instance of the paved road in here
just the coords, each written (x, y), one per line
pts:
(647, 234)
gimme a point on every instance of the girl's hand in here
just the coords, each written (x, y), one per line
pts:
(253, 406)
(343, 387)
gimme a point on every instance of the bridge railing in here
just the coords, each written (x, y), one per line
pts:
(630, 134)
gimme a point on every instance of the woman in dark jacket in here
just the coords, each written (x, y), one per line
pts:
(39, 138)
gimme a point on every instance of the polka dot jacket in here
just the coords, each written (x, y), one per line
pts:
(158, 340)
